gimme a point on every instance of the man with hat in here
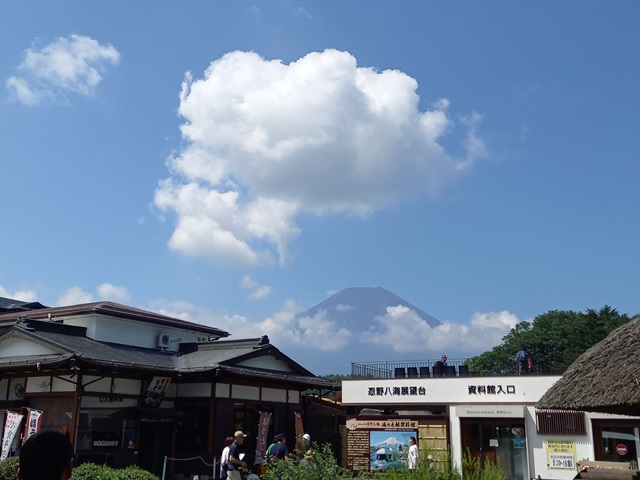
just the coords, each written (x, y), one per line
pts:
(234, 456)
(279, 450)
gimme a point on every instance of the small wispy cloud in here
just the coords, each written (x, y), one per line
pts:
(73, 64)
(104, 291)
(257, 291)
(73, 296)
(22, 295)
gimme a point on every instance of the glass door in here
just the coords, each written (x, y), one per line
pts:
(498, 442)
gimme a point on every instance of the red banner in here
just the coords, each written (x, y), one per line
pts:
(33, 423)
(263, 431)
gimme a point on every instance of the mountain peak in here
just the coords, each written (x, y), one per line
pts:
(355, 305)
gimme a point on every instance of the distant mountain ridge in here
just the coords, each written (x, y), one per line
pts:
(354, 305)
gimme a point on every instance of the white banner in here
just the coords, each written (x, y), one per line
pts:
(11, 425)
(33, 423)
(157, 389)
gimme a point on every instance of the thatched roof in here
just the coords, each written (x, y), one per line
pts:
(606, 378)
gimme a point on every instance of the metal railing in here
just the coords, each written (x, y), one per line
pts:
(409, 368)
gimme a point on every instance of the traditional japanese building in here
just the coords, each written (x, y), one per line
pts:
(131, 386)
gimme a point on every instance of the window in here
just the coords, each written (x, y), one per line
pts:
(560, 422)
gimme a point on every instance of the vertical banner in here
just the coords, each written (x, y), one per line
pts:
(11, 425)
(263, 431)
(157, 389)
(299, 430)
(33, 423)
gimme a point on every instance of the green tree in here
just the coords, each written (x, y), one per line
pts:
(553, 340)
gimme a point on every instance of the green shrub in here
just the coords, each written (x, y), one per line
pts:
(91, 471)
(133, 472)
(473, 471)
(8, 468)
(318, 464)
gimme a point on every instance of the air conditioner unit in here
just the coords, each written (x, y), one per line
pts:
(163, 340)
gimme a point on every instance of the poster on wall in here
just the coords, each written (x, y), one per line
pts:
(379, 445)
(561, 454)
(389, 449)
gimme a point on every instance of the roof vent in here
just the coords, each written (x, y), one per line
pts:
(163, 340)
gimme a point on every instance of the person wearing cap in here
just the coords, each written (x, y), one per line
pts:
(235, 463)
(444, 360)
(307, 452)
(47, 455)
(279, 449)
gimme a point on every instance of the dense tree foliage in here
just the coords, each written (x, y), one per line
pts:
(553, 340)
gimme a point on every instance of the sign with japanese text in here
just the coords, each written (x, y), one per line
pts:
(561, 454)
(354, 423)
(491, 411)
(522, 390)
(263, 431)
(11, 425)
(157, 389)
(33, 423)
(379, 444)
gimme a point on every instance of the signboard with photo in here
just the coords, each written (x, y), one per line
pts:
(379, 445)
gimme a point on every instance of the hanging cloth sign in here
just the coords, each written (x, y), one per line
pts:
(33, 423)
(263, 431)
(11, 425)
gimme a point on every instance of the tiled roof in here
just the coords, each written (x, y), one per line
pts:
(223, 356)
(11, 305)
(113, 310)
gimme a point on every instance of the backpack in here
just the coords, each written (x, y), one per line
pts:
(275, 452)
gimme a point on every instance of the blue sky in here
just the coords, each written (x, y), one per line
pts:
(234, 163)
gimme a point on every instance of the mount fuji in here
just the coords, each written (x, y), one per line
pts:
(361, 305)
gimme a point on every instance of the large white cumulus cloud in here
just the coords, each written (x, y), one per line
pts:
(266, 141)
(403, 331)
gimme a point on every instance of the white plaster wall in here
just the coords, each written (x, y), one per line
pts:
(127, 386)
(267, 362)
(538, 455)
(455, 439)
(64, 384)
(274, 395)
(38, 384)
(20, 347)
(223, 390)
(245, 392)
(130, 332)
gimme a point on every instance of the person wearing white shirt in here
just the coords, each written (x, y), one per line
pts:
(412, 458)
(224, 458)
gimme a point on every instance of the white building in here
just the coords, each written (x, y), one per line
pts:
(493, 418)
